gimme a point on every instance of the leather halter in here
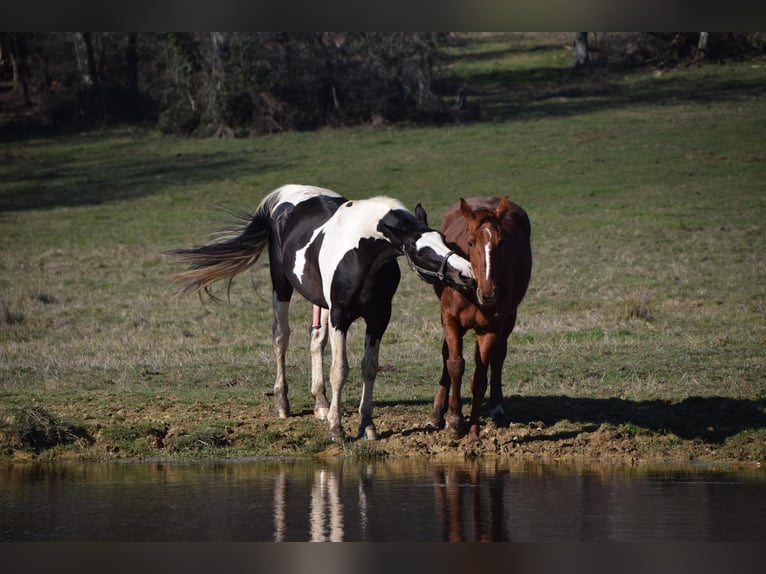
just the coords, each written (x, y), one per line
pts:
(427, 272)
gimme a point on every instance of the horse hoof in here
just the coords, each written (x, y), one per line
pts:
(498, 416)
(321, 413)
(368, 433)
(336, 434)
(434, 423)
(455, 425)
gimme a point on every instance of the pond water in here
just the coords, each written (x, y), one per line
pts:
(394, 501)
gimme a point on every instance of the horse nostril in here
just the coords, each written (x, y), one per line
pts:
(486, 299)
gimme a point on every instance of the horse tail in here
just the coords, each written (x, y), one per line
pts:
(235, 251)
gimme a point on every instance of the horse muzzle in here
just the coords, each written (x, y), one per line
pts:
(459, 280)
(486, 299)
(455, 276)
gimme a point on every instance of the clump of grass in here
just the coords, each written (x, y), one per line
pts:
(637, 306)
(38, 429)
(46, 298)
(363, 450)
(143, 438)
(8, 316)
(203, 438)
(631, 430)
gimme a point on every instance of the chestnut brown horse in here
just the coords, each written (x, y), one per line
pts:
(494, 234)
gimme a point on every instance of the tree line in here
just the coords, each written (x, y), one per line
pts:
(222, 82)
(230, 83)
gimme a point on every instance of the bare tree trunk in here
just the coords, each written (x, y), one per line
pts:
(18, 51)
(702, 45)
(3, 48)
(217, 74)
(581, 49)
(86, 62)
(131, 56)
(425, 95)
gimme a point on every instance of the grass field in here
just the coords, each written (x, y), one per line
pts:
(646, 194)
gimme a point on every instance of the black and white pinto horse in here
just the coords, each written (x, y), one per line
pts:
(340, 255)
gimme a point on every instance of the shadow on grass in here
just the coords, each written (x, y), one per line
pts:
(62, 185)
(525, 94)
(502, 94)
(527, 91)
(711, 419)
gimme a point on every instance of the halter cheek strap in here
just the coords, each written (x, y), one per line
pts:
(443, 266)
(427, 272)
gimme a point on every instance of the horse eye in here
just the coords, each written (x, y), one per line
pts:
(471, 243)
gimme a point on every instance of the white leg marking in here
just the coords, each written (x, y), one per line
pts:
(281, 338)
(318, 344)
(338, 376)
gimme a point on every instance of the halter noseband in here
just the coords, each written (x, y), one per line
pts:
(427, 272)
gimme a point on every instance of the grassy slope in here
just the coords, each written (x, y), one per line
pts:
(645, 193)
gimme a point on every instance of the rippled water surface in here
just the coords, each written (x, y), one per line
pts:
(398, 501)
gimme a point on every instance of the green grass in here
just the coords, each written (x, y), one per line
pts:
(645, 192)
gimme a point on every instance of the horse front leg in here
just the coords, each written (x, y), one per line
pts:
(484, 348)
(280, 339)
(318, 344)
(338, 377)
(377, 322)
(369, 372)
(455, 365)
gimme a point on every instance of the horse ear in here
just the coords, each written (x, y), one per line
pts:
(465, 209)
(391, 226)
(502, 208)
(420, 215)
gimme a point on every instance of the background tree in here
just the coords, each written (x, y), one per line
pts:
(86, 61)
(582, 58)
(237, 84)
(13, 48)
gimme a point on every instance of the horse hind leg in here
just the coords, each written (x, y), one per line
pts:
(496, 408)
(436, 418)
(318, 344)
(280, 339)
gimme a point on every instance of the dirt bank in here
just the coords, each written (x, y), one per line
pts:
(716, 431)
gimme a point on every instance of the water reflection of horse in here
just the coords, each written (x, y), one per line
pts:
(494, 234)
(327, 510)
(470, 502)
(339, 255)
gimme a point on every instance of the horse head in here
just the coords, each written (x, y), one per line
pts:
(485, 235)
(425, 249)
